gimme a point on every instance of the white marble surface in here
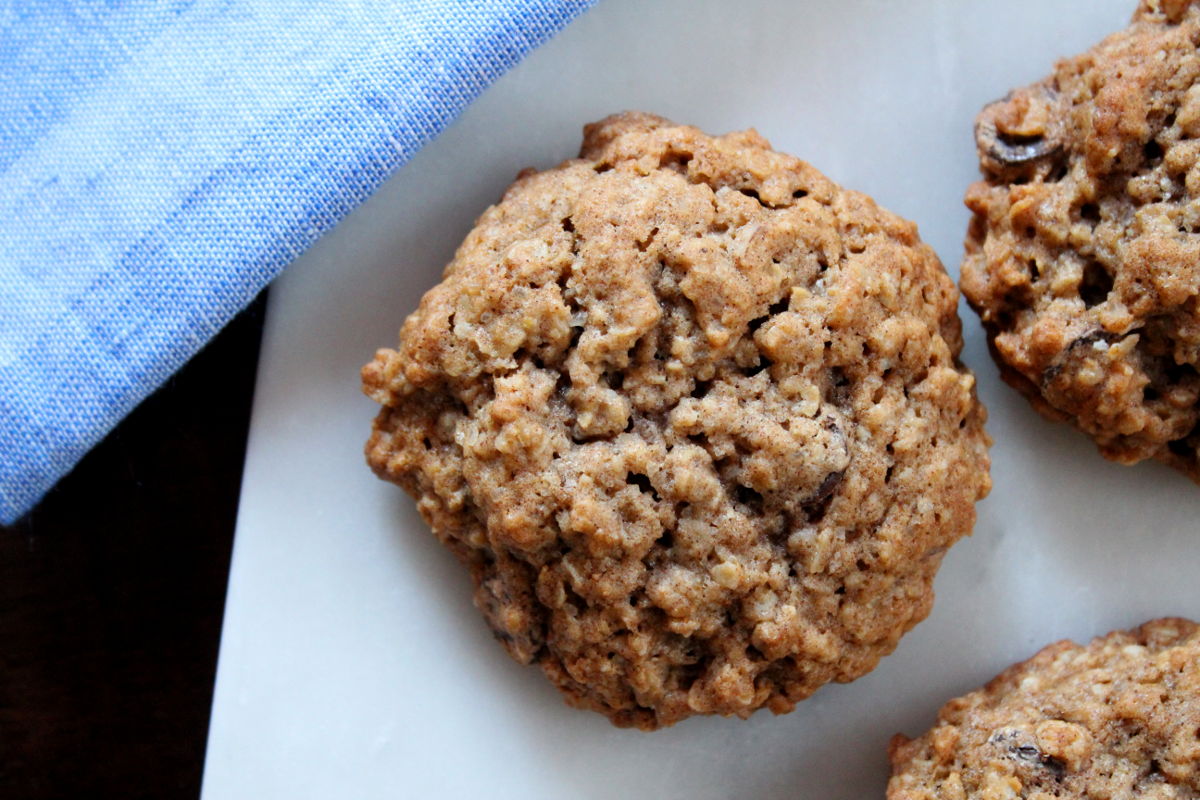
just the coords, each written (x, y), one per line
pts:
(352, 662)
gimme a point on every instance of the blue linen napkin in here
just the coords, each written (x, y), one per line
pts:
(161, 161)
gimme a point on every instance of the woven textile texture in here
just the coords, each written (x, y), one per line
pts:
(161, 161)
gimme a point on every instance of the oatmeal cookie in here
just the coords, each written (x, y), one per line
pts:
(1083, 256)
(1118, 718)
(693, 416)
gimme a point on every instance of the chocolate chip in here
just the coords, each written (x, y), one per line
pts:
(828, 486)
(1011, 149)
(1087, 340)
(1005, 152)
(1027, 753)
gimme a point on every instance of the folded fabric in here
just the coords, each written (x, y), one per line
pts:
(160, 162)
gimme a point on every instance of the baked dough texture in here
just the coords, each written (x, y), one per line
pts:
(693, 417)
(1116, 719)
(1083, 256)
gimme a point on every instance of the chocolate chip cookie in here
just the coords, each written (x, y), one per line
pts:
(1118, 718)
(694, 418)
(1083, 256)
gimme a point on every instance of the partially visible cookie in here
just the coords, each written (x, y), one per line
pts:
(1118, 718)
(1083, 257)
(694, 418)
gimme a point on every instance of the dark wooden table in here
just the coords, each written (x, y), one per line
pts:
(112, 590)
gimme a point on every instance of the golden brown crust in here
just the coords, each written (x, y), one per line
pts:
(1118, 718)
(1083, 259)
(693, 416)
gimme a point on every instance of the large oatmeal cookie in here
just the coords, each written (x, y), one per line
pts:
(1083, 257)
(693, 417)
(1118, 718)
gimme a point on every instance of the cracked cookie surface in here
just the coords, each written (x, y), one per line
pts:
(693, 417)
(1117, 718)
(1083, 257)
